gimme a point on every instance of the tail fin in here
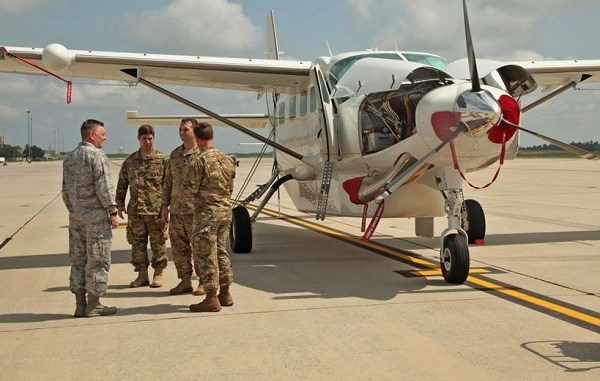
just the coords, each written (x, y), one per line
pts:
(272, 47)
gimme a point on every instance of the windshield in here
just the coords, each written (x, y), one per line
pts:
(339, 68)
(427, 59)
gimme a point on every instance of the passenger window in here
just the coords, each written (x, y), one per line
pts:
(292, 107)
(312, 99)
(281, 113)
(303, 100)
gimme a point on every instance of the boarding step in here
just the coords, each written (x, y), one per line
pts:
(324, 193)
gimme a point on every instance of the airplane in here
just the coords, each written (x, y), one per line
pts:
(370, 134)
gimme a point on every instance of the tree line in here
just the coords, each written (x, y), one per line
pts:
(13, 153)
(592, 146)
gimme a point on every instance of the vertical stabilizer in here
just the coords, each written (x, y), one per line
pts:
(272, 47)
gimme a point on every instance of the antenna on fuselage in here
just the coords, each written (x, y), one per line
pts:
(329, 48)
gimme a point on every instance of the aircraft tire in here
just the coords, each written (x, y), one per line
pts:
(240, 234)
(474, 223)
(454, 260)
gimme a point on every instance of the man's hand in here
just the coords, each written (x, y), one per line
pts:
(114, 222)
(164, 213)
(120, 211)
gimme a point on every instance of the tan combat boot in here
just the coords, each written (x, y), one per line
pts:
(209, 304)
(225, 298)
(95, 308)
(80, 303)
(184, 287)
(199, 291)
(157, 279)
(141, 280)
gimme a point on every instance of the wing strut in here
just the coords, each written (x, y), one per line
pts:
(216, 116)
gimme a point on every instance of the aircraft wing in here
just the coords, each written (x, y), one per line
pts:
(551, 74)
(247, 120)
(528, 75)
(228, 73)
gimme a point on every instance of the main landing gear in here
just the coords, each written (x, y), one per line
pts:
(240, 234)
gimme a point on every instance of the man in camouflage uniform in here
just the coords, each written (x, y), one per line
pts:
(143, 173)
(89, 196)
(210, 178)
(179, 202)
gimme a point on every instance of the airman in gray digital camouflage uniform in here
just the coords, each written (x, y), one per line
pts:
(210, 177)
(179, 202)
(143, 173)
(89, 196)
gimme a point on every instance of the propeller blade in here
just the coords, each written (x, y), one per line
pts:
(475, 85)
(399, 180)
(565, 146)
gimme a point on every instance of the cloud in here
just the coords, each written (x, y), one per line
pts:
(21, 6)
(199, 27)
(500, 30)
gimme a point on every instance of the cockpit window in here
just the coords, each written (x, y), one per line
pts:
(339, 68)
(427, 59)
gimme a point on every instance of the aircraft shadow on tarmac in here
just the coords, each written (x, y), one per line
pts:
(295, 263)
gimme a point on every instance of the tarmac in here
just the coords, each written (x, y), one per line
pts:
(312, 303)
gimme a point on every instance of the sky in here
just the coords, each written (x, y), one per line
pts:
(504, 30)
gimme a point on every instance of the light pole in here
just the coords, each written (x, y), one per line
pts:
(28, 135)
(31, 124)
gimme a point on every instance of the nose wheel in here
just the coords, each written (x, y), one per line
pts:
(454, 259)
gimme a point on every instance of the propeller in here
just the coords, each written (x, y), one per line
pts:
(488, 113)
(565, 146)
(475, 85)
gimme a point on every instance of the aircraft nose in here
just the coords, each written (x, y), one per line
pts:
(477, 111)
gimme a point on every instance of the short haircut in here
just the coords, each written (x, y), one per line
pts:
(90, 125)
(193, 121)
(145, 129)
(203, 131)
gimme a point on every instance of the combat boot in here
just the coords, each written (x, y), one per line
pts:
(225, 298)
(199, 291)
(209, 304)
(184, 287)
(141, 280)
(80, 303)
(95, 308)
(157, 278)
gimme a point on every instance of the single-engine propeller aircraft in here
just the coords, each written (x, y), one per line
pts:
(391, 130)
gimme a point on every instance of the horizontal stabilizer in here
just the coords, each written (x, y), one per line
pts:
(246, 120)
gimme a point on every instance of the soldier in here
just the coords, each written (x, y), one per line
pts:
(210, 178)
(89, 196)
(143, 173)
(179, 201)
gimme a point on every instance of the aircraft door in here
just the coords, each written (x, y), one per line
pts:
(327, 133)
